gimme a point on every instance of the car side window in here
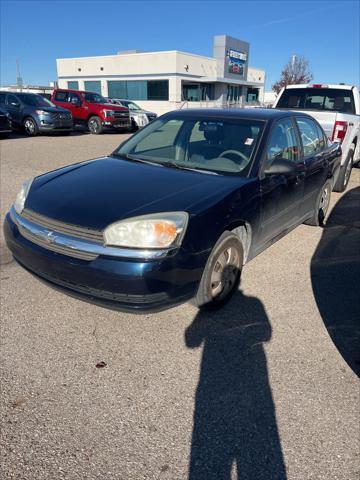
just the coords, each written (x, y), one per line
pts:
(61, 96)
(2, 98)
(322, 137)
(73, 96)
(283, 142)
(309, 136)
(12, 100)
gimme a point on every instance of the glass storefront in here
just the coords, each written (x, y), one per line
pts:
(139, 89)
(234, 93)
(197, 92)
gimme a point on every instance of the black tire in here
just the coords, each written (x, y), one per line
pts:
(345, 171)
(30, 127)
(321, 206)
(219, 282)
(134, 127)
(94, 125)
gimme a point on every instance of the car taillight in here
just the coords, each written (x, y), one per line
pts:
(339, 132)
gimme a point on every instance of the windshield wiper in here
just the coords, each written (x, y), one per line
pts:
(137, 159)
(183, 167)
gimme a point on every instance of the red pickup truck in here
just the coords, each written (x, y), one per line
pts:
(92, 110)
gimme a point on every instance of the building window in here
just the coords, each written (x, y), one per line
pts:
(139, 89)
(73, 85)
(93, 86)
(194, 92)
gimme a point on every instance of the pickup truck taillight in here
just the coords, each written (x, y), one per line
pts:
(339, 131)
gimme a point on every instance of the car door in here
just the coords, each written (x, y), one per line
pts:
(281, 195)
(61, 99)
(75, 105)
(316, 162)
(14, 107)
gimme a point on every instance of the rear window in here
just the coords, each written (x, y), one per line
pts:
(326, 99)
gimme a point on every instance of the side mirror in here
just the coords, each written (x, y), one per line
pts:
(281, 166)
(14, 104)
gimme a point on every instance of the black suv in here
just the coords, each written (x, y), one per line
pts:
(35, 114)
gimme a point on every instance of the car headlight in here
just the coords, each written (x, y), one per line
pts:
(141, 119)
(42, 112)
(109, 113)
(160, 230)
(21, 196)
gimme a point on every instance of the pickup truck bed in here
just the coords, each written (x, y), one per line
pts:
(337, 109)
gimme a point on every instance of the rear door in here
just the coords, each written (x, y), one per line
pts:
(316, 162)
(282, 196)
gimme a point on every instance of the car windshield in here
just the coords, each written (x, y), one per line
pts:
(130, 105)
(94, 98)
(35, 100)
(222, 146)
(329, 99)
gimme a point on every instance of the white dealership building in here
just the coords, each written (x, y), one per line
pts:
(164, 81)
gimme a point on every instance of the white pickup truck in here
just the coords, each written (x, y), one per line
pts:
(337, 109)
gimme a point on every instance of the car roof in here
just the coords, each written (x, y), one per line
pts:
(319, 86)
(239, 113)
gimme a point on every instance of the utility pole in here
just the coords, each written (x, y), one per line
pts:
(19, 80)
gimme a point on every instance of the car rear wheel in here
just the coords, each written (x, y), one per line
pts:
(30, 127)
(222, 272)
(345, 171)
(321, 206)
(94, 125)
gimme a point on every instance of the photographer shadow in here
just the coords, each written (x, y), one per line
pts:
(335, 277)
(234, 417)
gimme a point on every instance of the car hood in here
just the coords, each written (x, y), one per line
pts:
(54, 109)
(142, 111)
(99, 192)
(111, 106)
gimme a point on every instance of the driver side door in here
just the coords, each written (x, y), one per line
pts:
(281, 195)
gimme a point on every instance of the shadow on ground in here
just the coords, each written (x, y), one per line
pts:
(335, 276)
(234, 417)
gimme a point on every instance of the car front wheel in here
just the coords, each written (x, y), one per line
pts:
(30, 127)
(222, 272)
(94, 125)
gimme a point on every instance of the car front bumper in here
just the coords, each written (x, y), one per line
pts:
(47, 124)
(116, 282)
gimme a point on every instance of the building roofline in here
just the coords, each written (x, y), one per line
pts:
(139, 53)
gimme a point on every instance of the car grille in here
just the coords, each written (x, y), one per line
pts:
(62, 227)
(56, 248)
(61, 116)
(121, 115)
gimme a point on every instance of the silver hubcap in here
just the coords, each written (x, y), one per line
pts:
(93, 125)
(29, 126)
(225, 273)
(348, 171)
(325, 199)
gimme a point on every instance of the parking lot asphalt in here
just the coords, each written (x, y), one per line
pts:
(265, 388)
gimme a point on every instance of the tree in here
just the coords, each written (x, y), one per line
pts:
(295, 71)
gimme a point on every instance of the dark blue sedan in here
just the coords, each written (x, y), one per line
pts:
(177, 210)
